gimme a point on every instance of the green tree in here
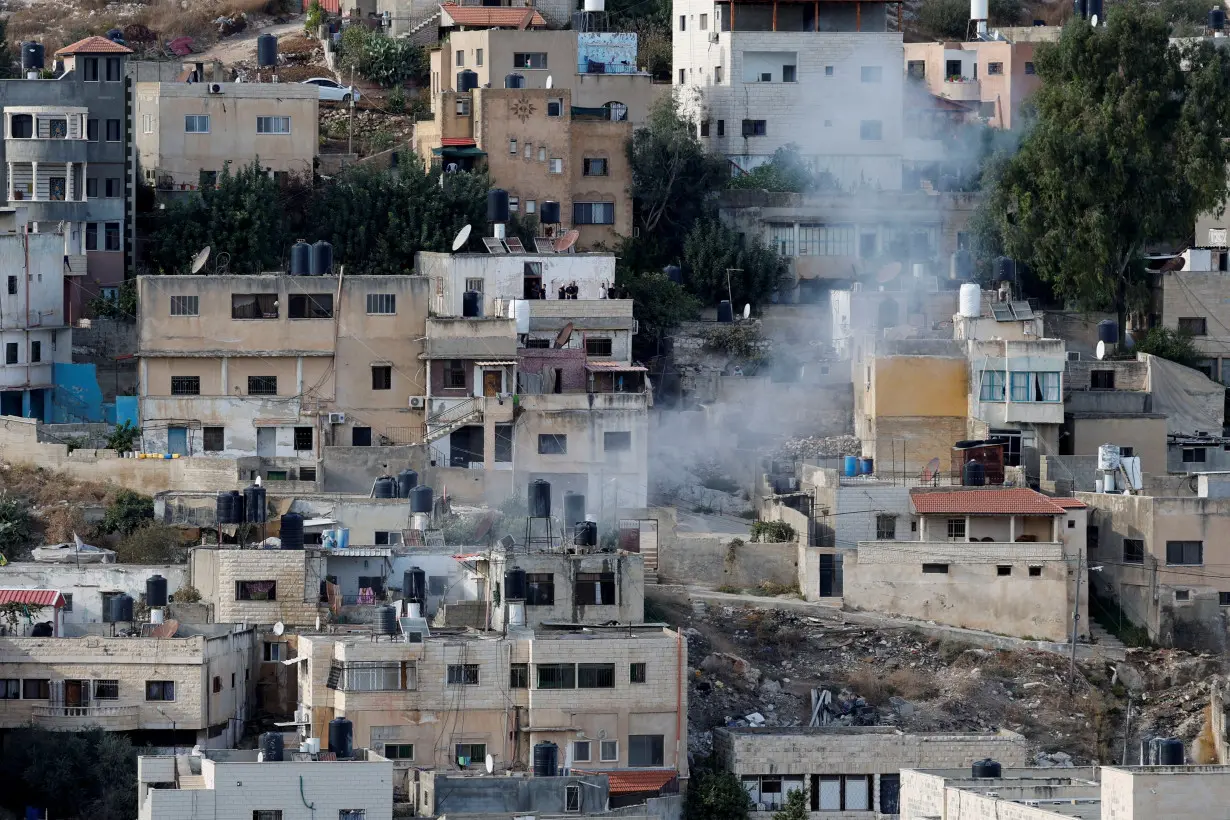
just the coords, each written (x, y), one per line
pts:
(1167, 343)
(796, 807)
(15, 525)
(786, 171)
(315, 16)
(719, 265)
(70, 774)
(1128, 146)
(124, 437)
(714, 795)
(127, 513)
(7, 63)
(124, 307)
(151, 542)
(659, 305)
(949, 19)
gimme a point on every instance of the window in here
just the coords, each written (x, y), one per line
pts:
(160, 690)
(555, 165)
(1035, 386)
(995, 69)
(147, 123)
(512, 149)
(113, 69)
(1127, 452)
(532, 59)
(828, 71)
(378, 676)
(519, 676)
(1003, 569)
(704, 22)
(262, 385)
(213, 439)
(1193, 455)
(267, 814)
(455, 374)
(552, 444)
(437, 584)
(1035, 572)
(36, 689)
(111, 236)
(1192, 325)
(529, 150)
(1223, 599)
(463, 674)
(721, 128)
(1029, 68)
(935, 569)
(274, 651)
(1133, 551)
(572, 796)
(1102, 380)
(468, 753)
(475, 285)
(463, 106)
(310, 306)
(872, 73)
(303, 439)
(106, 690)
(1182, 595)
(185, 385)
(597, 347)
(593, 213)
(461, 58)
(478, 56)
(717, 80)
(256, 590)
(556, 676)
(683, 22)
(399, 751)
(704, 128)
(1185, 552)
(217, 685)
(91, 188)
(530, 207)
(992, 386)
(91, 130)
(90, 68)
(886, 527)
(636, 673)
(273, 125)
(555, 107)
(755, 128)
(113, 130)
(10, 353)
(594, 589)
(608, 751)
(595, 676)
(185, 305)
(956, 529)
(196, 124)
(597, 167)
(386, 538)
(382, 377)
(381, 303)
(617, 441)
(870, 130)
(580, 751)
(916, 69)
(12, 285)
(91, 232)
(645, 750)
(844, 792)
(539, 589)
(36, 352)
(68, 601)
(10, 689)
(503, 443)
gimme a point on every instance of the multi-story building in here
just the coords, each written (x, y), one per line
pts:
(34, 325)
(68, 163)
(757, 76)
(192, 688)
(279, 366)
(424, 20)
(1188, 300)
(185, 133)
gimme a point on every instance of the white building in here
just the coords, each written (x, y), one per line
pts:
(503, 277)
(87, 588)
(827, 77)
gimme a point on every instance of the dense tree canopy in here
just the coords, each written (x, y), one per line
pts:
(91, 774)
(716, 795)
(787, 171)
(720, 266)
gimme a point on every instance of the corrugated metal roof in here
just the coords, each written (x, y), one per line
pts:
(32, 597)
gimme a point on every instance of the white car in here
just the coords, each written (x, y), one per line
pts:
(334, 91)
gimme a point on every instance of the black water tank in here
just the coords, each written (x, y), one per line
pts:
(222, 509)
(974, 474)
(300, 259)
(987, 768)
(155, 591)
(497, 206)
(674, 273)
(1108, 331)
(237, 507)
(385, 487)
(322, 258)
(546, 759)
(540, 498)
(472, 304)
(341, 731)
(386, 620)
(1217, 22)
(273, 745)
(32, 56)
(421, 499)
(514, 584)
(121, 608)
(1081, 8)
(266, 51)
(1095, 9)
(549, 213)
(292, 531)
(1170, 752)
(725, 312)
(467, 80)
(414, 585)
(574, 508)
(586, 534)
(961, 266)
(966, 443)
(407, 480)
(115, 35)
(514, 81)
(1005, 269)
(254, 508)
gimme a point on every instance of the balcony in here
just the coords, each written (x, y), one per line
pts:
(962, 89)
(76, 718)
(35, 134)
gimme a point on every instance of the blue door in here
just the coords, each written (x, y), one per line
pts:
(177, 440)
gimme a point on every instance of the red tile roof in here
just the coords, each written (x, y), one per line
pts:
(1070, 503)
(493, 16)
(1012, 501)
(94, 45)
(32, 597)
(636, 781)
(457, 142)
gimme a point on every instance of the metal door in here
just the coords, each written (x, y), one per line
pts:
(493, 380)
(266, 441)
(830, 576)
(177, 440)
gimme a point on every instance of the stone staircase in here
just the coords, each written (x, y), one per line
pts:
(1103, 638)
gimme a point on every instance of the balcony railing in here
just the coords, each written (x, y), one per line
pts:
(115, 718)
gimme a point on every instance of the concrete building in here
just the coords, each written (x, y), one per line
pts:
(193, 688)
(569, 588)
(423, 20)
(237, 783)
(756, 77)
(501, 278)
(280, 367)
(1109, 402)
(540, 146)
(610, 698)
(994, 76)
(847, 771)
(68, 162)
(35, 328)
(260, 586)
(1000, 560)
(1187, 300)
(88, 588)
(186, 132)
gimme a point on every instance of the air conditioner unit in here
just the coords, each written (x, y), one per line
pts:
(418, 402)
(337, 418)
(713, 36)
(215, 88)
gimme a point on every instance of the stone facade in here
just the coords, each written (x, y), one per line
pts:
(220, 573)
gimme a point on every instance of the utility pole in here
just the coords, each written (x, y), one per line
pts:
(1076, 616)
(729, 297)
(350, 141)
(1127, 731)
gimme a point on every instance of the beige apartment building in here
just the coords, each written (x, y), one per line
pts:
(186, 133)
(992, 77)
(278, 367)
(260, 586)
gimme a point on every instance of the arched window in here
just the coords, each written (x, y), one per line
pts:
(617, 111)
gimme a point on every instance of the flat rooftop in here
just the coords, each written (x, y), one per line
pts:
(821, 731)
(1064, 792)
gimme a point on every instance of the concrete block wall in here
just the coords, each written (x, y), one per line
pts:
(710, 560)
(296, 572)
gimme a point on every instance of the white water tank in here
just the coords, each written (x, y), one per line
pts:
(520, 309)
(920, 270)
(516, 613)
(970, 301)
(595, 5)
(1108, 457)
(979, 9)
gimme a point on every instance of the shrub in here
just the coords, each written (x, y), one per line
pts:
(772, 532)
(150, 543)
(315, 16)
(15, 521)
(123, 438)
(396, 101)
(127, 513)
(187, 594)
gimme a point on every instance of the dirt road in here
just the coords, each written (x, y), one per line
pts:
(242, 46)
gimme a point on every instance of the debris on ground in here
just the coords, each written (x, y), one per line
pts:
(820, 447)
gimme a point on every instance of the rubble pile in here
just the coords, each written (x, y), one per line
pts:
(820, 447)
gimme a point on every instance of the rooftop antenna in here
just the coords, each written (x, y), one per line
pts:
(198, 261)
(462, 237)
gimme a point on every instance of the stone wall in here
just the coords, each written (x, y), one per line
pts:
(297, 573)
(709, 559)
(102, 344)
(353, 469)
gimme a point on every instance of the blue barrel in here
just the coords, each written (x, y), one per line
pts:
(851, 466)
(866, 466)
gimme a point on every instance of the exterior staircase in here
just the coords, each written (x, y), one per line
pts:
(1103, 638)
(450, 418)
(424, 32)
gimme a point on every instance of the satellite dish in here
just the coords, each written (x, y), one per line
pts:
(317, 623)
(888, 273)
(490, 764)
(1093, 21)
(484, 526)
(198, 261)
(463, 236)
(550, 81)
(565, 333)
(1101, 351)
(565, 242)
(279, 628)
(747, 311)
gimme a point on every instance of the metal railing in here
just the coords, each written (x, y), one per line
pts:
(84, 711)
(454, 412)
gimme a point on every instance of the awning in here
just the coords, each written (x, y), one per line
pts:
(494, 364)
(458, 152)
(319, 522)
(32, 597)
(457, 142)
(614, 367)
(294, 660)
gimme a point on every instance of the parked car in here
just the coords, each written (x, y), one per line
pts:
(334, 91)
